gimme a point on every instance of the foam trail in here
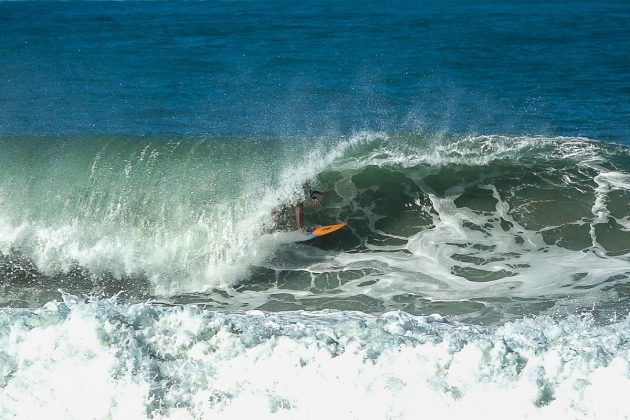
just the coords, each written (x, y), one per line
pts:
(606, 182)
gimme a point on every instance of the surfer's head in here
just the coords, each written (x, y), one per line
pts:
(312, 193)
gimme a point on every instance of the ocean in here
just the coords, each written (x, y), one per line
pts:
(479, 152)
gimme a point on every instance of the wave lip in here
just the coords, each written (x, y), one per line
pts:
(185, 362)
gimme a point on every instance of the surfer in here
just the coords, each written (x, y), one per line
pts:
(310, 192)
(315, 195)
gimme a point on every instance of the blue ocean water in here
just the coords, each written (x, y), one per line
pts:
(225, 68)
(479, 152)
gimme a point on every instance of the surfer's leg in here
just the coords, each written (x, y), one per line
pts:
(299, 215)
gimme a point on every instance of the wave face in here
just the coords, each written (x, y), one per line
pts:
(100, 359)
(447, 225)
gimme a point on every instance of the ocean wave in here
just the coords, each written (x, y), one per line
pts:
(431, 220)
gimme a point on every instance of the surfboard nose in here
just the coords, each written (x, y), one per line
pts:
(325, 230)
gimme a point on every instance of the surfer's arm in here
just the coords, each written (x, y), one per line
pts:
(315, 195)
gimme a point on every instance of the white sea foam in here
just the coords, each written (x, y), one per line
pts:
(103, 359)
(606, 181)
(476, 151)
(430, 263)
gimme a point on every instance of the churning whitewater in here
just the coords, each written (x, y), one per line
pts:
(77, 359)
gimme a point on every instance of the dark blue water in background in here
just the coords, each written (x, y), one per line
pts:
(268, 68)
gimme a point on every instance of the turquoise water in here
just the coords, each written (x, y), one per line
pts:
(479, 153)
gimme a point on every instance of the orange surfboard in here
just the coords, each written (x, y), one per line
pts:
(324, 230)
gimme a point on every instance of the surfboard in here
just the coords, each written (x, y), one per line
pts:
(323, 231)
